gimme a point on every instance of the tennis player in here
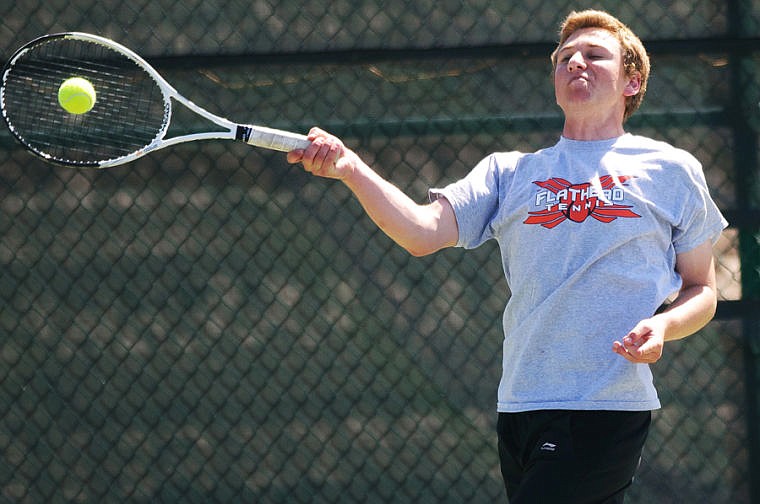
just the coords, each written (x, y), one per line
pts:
(596, 233)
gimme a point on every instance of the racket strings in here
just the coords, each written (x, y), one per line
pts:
(130, 110)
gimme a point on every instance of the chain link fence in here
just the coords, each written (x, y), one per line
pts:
(210, 324)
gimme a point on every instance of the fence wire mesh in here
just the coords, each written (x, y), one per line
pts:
(210, 324)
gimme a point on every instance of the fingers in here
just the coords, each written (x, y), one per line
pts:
(295, 156)
(628, 350)
(298, 155)
(640, 347)
(620, 349)
(321, 156)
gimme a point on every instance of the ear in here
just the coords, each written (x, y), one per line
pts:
(634, 85)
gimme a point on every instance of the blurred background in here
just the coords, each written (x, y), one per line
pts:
(211, 324)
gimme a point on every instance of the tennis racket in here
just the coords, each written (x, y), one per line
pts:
(131, 115)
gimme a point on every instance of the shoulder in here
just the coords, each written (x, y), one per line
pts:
(666, 152)
(496, 167)
(505, 160)
(671, 167)
(511, 161)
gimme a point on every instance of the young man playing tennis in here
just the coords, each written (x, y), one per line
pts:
(595, 234)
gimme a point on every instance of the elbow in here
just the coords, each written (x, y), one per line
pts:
(713, 307)
(427, 246)
(710, 306)
(422, 248)
(418, 251)
(710, 293)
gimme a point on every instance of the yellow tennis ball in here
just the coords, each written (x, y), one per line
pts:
(76, 95)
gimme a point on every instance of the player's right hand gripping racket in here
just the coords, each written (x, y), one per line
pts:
(131, 115)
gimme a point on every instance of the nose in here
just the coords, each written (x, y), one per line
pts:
(576, 62)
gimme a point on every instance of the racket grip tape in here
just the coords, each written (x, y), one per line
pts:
(269, 138)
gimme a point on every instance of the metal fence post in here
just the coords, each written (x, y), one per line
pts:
(746, 128)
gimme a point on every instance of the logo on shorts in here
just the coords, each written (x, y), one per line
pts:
(561, 200)
(549, 447)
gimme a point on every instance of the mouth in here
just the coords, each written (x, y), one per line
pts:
(579, 80)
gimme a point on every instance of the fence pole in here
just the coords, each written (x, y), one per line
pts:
(744, 115)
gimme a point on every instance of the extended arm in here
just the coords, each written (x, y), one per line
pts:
(690, 311)
(420, 229)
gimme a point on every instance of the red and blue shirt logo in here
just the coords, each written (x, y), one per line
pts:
(562, 200)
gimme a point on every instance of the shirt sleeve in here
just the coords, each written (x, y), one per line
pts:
(701, 220)
(475, 200)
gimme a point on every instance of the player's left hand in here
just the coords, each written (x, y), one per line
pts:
(643, 344)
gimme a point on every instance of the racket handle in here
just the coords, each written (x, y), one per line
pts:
(270, 138)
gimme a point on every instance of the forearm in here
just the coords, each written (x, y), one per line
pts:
(690, 311)
(420, 229)
(696, 302)
(417, 228)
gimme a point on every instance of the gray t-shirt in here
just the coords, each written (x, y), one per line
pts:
(588, 233)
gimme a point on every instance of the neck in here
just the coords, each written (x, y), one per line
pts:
(584, 122)
(592, 129)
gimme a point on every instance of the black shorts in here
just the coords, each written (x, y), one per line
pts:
(578, 457)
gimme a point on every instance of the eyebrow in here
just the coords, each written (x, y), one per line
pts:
(572, 45)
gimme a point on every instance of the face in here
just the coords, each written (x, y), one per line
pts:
(589, 75)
